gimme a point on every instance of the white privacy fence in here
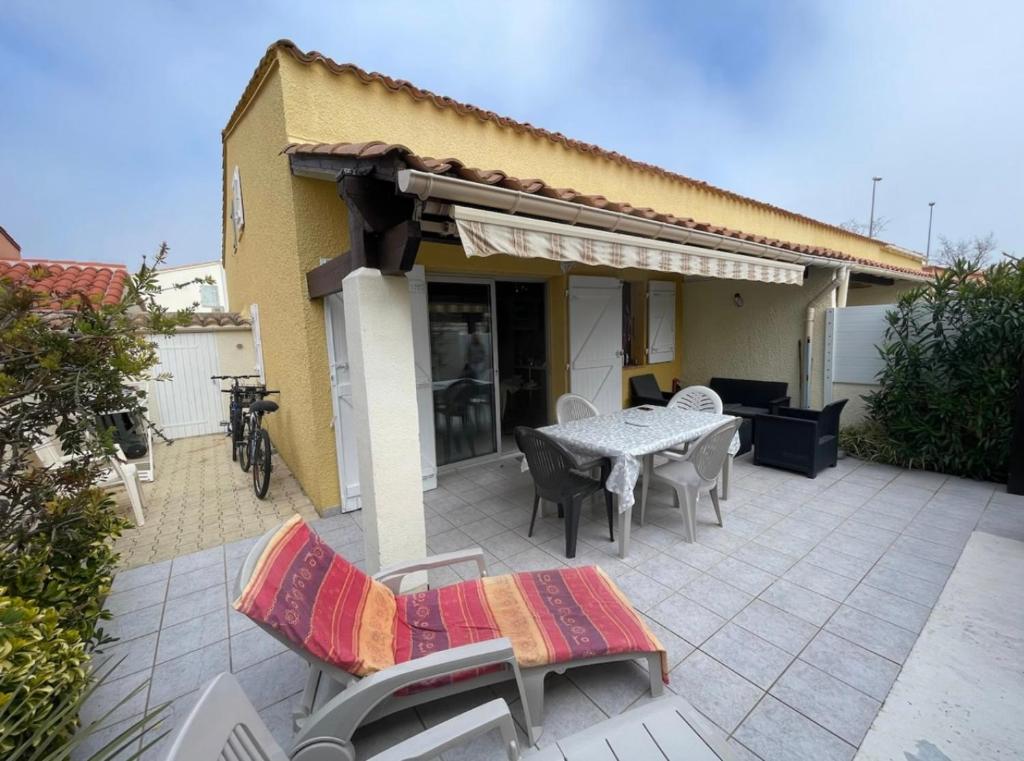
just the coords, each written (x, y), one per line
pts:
(851, 337)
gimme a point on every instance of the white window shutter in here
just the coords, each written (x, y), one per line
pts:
(237, 213)
(257, 340)
(661, 321)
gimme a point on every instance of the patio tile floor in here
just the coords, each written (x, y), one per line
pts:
(787, 633)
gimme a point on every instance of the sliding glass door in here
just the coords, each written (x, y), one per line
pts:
(462, 359)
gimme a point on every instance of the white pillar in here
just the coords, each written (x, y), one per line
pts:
(378, 327)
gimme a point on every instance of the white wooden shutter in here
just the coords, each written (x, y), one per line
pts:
(661, 321)
(237, 214)
(257, 340)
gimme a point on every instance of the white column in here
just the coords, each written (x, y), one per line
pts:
(378, 327)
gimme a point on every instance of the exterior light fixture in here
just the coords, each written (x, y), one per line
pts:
(737, 299)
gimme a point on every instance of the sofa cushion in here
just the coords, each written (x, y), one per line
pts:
(318, 601)
(751, 393)
(742, 410)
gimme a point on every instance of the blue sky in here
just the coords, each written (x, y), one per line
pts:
(113, 110)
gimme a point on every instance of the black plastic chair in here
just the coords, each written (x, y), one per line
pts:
(806, 441)
(556, 479)
(644, 389)
(456, 402)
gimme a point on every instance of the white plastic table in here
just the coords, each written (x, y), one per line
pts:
(630, 439)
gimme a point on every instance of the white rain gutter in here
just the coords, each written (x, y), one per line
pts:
(426, 185)
(838, 287)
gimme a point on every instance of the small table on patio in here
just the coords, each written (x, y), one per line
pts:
(630, 438)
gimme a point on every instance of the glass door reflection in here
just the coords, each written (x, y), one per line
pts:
(462, 360)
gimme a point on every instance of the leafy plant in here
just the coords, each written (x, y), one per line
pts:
(58, 370)
(953, 354)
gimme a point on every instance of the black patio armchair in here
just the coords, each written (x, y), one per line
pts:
(558, 477)
(644, 389)
(806, 441)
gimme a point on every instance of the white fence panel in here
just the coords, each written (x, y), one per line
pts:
(853, 335)
(190, 403)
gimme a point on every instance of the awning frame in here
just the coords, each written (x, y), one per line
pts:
(485, 233)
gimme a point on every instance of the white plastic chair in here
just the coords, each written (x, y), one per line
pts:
(224, 726)
(50, 455)
(571, 407)
(698, 398)
(698, 473)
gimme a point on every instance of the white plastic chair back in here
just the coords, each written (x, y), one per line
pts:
(573, 407)
(224, 725)
(708, 453)
(697, 398)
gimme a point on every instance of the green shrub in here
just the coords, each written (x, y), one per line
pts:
(40, 660)
(953, 354)
(57, 371)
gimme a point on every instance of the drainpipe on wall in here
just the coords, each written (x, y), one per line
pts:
(844, 287)
(830, 289)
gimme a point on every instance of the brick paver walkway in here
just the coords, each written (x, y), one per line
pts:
(201, 499)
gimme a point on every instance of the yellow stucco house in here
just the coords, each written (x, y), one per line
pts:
(423, 274)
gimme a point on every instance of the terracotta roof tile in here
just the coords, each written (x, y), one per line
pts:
(402, 86)
(64, 280)
(455, 168)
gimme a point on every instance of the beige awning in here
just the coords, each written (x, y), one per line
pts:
(485, 233)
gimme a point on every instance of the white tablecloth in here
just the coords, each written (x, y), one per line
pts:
(625, 437)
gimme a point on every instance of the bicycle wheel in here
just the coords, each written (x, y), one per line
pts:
(245, 445)
(261, 463)
(234, 431)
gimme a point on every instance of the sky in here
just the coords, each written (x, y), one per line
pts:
(112, 111)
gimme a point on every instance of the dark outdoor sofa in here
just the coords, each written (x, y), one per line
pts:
(748, 399)
(806, 441)
(644, 389)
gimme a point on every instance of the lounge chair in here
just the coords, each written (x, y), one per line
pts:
(224, 725)
(518, 626)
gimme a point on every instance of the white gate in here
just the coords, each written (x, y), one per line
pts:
(189, 404)
(341, 390)
(852, 335)
(595, 341)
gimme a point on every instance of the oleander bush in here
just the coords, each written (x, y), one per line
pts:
(58, 369)
(954, 353)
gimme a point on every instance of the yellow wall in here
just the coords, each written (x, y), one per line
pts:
(879, 294)
(281, 220)
(321, 106)
(855, 410)
(757, 341)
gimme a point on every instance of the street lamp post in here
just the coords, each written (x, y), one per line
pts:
(928, 250)
(871, 220)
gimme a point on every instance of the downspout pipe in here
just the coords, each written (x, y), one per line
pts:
(833, 285)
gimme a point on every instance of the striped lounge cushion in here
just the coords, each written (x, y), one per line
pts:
(320, 602)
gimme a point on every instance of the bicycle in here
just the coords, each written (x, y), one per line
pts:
(241, 397)
(257, 444)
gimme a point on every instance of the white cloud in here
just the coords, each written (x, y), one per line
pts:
(928, 95)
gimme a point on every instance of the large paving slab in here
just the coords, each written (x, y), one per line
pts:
(961, 691)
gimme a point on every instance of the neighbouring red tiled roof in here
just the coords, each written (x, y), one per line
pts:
(64, 280)
(454, 168)
(466, 109)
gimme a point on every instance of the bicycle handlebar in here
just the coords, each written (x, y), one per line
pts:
(231, 377)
